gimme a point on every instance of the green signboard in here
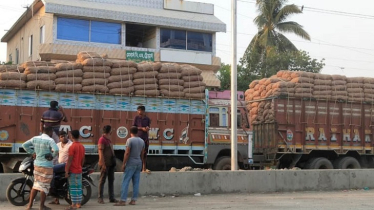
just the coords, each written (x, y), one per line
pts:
(139, 56)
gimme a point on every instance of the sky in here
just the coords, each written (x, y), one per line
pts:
(345, 41)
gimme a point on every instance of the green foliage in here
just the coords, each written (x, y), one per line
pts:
(6, 63)
(224, 75)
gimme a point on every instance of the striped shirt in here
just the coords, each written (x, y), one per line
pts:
(43, 145)
(52, 118)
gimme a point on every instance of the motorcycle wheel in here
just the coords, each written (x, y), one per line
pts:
(86, 195)
(14, 194)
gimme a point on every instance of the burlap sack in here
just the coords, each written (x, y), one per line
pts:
(123, 84)
(40, 69)
(368, 86)
(339, 97)
(172, 88)
(84, 55)
(145, 81)
(167, 93)
(355, 79)
(123, 71)
(302, 80)
(253, 84)
(70, 73)
(12, 76)
(147, 67)
(359, 95)
(194, 84)
(322, 87)
(322, 92)
(66, 80)
(369, 80)
(18, 84)
(95, 88)
(297, 74)
(322, 97)
(355, 90)
(356, 99)
(122, 91)
(188, 70)
(195, 95)
(303, 90)
(96, 62)
(271, 80)
(119, 78)
(303, 95)
(322, 82)
(338, 82)
(369, 91)
(147, 93)
(283, 84)
(40, 84)
(192, 78)
(262, 81)
(338, 92)
(194, 90)
(120, 64)
(96, 75)
(171, 82)
(68, 66)
(146, 87)
(103, 69)
(34, 64)
(32, 77)
(322, 77)
(169, 76)
(11, 68)
(338, 77)
(339, 88)
(69, 88)
(170, 68)
(304, 85)
(355, 85)
(151, 74)
(369, 95)
(97, 81)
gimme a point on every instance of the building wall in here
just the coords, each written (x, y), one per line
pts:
(21, 39)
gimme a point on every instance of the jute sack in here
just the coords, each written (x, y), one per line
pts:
(262, 81)
(356, 99)
(32, 77)
(322, 82)
(69, 88)
(171, 82)
(271, 80)
(123, 91)
(169, 76)
(170, 68)
(120, 64)
(95, 88)
(40, 69)
(41, 84)
(260, 87)
(84, 55)
(369, 95)
(97, 81)
(297, 74)
(172, 93)
(123, 71)
(96, 62)
(146, 87)
(119, 78)
(147, 92)
(339, 88)
(96, 75)
(253, 84)
(355, 85)
(97, 69)
(368, 80)
(188, 70)
(322, 77)
(194, 90)
(322, 87)
(338, 77)
(70, 73)
(322, 92)
(338, 82)
(304, 85)
(194, 84)
(68, 66)
(71, 80)
(13, 84)
(151, 74)
(324, 97)
(123, 84)
(12, 76)
(283, 84)
(355, 90)
(339, 97)
(34, 64)
(303, 95)
(192, 78)
(356, 94)
(145, 81)
(147, 66)
(355, 79)
(368, 86)
(172, 88)
(269, 87)
(195, 95)
(369, 91)
(302, 80)
(344, 93)
(11, 68)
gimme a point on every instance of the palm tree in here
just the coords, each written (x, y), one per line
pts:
(272, 22)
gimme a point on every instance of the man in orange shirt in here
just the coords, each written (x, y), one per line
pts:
(73, 170)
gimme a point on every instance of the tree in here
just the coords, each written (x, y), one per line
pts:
(224, 75)
(271, 21)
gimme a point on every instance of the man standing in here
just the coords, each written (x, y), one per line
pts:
(74, 167)
(43, 146)
(107, 163)
(143, 123)
(133, 163)
(52, 118)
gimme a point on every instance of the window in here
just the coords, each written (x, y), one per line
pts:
(30, 45)
(217, 117)
(42, 34)
(17, 56)
(199, 41)
(238, 119)
(88, 31)
(140, 36)
(175, 39)
(10, 58)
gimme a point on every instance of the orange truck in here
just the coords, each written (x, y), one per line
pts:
(184, 132)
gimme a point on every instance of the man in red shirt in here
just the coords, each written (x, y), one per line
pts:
(73, 170)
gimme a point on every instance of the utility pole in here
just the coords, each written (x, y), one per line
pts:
(234, 87)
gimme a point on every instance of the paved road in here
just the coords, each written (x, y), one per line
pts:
(342, 200)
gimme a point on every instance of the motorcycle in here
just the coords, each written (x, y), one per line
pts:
(18, 191)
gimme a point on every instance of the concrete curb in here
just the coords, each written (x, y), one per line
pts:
(208, 182)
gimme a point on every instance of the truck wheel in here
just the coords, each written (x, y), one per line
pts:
(347, 163)
(319, 163)
(223, 163)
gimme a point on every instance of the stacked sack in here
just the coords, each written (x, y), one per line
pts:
(40, 75)
(355, 88)
(304, 82)
(69, 77)
(11, 77)
(170, 80)
(12, 68)
(145, 79)
(368, 89)
(322, 86)
(339, 88)
(194, 87)
(121, 78)
(96, 71)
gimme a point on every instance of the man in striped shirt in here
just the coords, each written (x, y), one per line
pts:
(52, 118)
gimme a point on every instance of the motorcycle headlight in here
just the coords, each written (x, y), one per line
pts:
(23, 167)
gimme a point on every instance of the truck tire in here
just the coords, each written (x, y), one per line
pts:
(347, 163)
(319, 163)
(222, 163)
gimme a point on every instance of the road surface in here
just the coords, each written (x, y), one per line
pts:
(342, 200)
